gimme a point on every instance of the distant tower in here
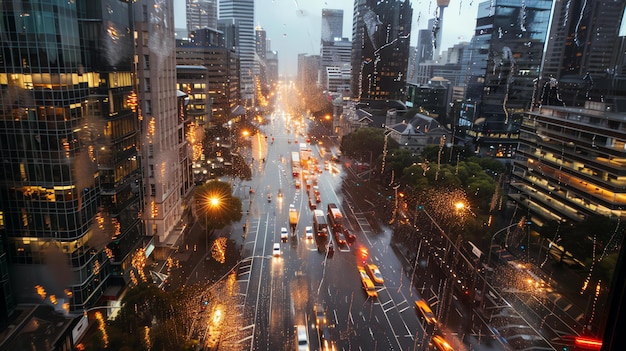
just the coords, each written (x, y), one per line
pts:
(241, 12)
(380, 49)
(201, 14)
(438, 27)
(332, 24)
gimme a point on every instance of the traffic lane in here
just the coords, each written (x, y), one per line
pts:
(356, 314)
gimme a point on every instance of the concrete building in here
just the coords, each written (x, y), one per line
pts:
(308, 71)
(241, 12)
(206, 49)
(332, 25)
(201, 14)
(165, 152)
(194, 82)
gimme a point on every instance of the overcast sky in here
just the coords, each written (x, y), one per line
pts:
(294, 26)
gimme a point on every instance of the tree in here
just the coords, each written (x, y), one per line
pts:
(216, 207)
(361, 142)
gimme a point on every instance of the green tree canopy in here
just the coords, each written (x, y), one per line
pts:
(216, 204)
(361, 142)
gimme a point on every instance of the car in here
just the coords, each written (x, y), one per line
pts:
(349, 235)
(302, 338)
(320, 315)
(276, 250)
(441, 344)
(312, 203)
(368, 286)
(308, 232)
(425, 311)
(284, 234)
(328, 338)
(374, 273)
(298, 184)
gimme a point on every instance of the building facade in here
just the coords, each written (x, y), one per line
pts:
(579, 60)
(165, 148)
(69, 132)
(201, 14)
(380, 49)
(242, 14)
(206, 49)
(332, 25)
(506, 58)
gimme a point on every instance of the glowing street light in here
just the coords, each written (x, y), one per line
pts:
(213, 203)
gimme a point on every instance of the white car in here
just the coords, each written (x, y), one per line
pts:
(308, 232)
(302, 338)
(276, 250)
(284, 234)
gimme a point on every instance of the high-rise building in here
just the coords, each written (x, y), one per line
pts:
(506, 58)
(308, 71)
(272, 68)
(423, 53)
(579, 55)
(242, 14)
(569, 163)
(380, 49)
(7, 300)
(206, 50)
(201, 14)
(70, 185)
(332, 25)
(261, 42)
(166, 158)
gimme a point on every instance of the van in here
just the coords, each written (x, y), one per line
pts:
(301, 338)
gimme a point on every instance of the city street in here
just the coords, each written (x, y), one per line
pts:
(275, 292)
(278, 293)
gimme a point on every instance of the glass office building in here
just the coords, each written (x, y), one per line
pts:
(70, 177)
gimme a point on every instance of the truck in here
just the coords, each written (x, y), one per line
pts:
(295, 164)
(320, 227)
(293, 218)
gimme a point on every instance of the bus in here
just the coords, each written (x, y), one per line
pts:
(320, 227)
(295, 164)
(335, 217)
(305, 154)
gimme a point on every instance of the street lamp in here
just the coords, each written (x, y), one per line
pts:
(213, 204)
(519, 224)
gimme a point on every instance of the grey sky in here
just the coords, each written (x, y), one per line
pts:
(294, 26)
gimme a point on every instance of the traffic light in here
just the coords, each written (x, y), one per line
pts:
(420, 207)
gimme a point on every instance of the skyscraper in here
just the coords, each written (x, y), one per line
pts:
(568, 165)
(380, 48)
(206, 49)
(165, 153)
(261, 42)
(201, 14)
(506, 54)
(332, 24)
(71, 179)
(579, 54)
(242, 14)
